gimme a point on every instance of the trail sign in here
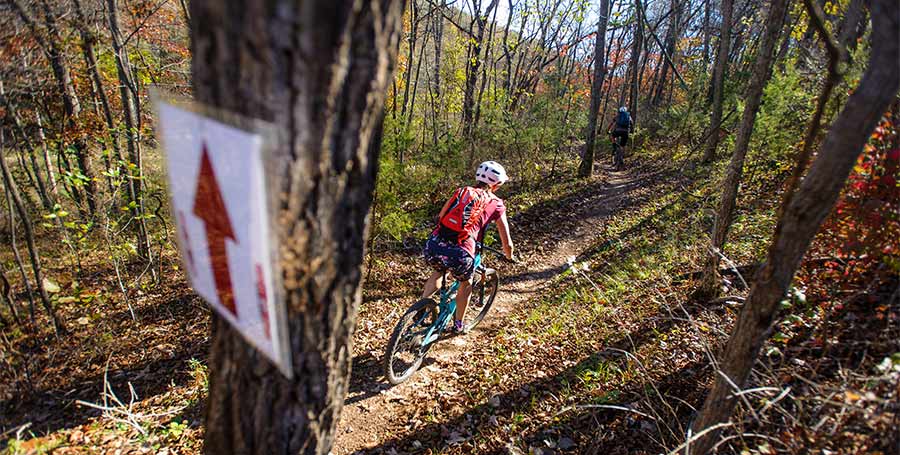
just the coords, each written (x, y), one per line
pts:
(217, 183)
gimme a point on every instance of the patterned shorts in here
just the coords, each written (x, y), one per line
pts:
(443, 255)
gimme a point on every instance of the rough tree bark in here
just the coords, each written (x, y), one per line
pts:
(712, 140)
(319, 71)
(587, 161)
(762, 72)
(803, 214)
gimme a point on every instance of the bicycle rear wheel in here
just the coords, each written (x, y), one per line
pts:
(484, 289)
(406, 349)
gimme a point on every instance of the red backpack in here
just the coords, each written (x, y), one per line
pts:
(464, 212)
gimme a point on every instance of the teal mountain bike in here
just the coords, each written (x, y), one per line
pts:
(425, 321)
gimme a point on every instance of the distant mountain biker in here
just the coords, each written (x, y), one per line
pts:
(624, 125)
(461, 223)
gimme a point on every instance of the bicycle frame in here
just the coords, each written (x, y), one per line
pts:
(447, 306)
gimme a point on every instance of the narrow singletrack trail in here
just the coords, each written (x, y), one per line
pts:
(375, 412)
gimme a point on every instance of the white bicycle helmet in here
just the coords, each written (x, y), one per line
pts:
(491, 172)
(623, 109)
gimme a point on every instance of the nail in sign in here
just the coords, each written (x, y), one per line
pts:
(218, 193)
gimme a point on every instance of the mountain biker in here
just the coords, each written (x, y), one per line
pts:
(461, 223)
(624, 125)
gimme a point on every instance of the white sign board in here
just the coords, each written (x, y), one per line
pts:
(219, 202)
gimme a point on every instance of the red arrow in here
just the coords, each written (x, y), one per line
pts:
(210, 207)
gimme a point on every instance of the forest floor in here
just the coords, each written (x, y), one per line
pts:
(607, 355)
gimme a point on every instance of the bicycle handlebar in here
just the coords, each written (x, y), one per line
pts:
(497, 252)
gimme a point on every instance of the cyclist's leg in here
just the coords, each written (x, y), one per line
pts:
(462, 299)
(431, 284)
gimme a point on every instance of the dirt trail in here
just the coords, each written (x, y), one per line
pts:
(375, 412)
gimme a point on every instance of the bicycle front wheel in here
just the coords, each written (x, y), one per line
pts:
(406, 348)
(483, 292)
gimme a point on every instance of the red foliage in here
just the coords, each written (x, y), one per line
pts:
(863, 232)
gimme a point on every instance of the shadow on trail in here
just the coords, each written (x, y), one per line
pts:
(522, 399)
(601, 199)
(367, 379)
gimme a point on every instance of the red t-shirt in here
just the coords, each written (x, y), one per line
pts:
(493, 210)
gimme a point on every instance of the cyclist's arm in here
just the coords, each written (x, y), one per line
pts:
(503, 228)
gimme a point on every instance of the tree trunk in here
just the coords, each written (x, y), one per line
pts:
(411, 50)
(90, 59)
(317, 70)
(71, 105)
(20, 129)
(803, 214)
(6, 295)
(438, 17)
(635, 64)
(17, 257)
(671, 40)
(474, 64)
(415, 84)
(48, 163)
(58, 327)
(587, 161)
(762, 72)
(127, 91)
(484, 74)
(706, 34)
(712, 139)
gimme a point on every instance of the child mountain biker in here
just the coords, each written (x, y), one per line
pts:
(461, 223)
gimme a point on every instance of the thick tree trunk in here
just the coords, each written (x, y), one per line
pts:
(803, 214)
(762, 72)
(317, 70)
(20, 208)
(712, 137)
(587, 161)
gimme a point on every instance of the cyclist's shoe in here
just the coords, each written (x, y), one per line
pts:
(458, 328)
